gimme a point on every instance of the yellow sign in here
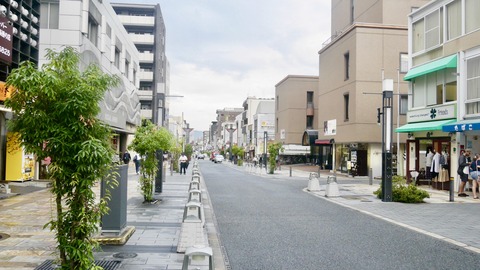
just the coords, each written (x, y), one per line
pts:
(5, 93)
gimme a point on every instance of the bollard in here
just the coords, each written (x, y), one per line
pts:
(194, 185)
(452, 190)
(196, 256)
(193, 212)
(370, 176)
(290, 171)
(313, 183)
(195, 196)
(332, 187)
(196, 178)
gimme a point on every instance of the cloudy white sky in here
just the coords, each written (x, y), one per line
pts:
(222, 51)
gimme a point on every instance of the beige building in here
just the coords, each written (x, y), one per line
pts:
(296, 114)
(369, 43)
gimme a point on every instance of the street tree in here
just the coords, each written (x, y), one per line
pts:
(148, 140)
(273, 152)
(55, 115)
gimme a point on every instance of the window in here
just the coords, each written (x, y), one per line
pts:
(309, 97)
(454, 19)
(278, 98)
(403, 62)
(49, 15)
(127, 68)
(276, 125)
(403, 105)
(418, 36)
(309, 121)
(145, 105)
(92, 31)
(432, 30)
(435, 88)
(346, 58)
(352, 11)
(473, 86)
(472, 20)
(117, 57)
(346, 101)
(109, 31)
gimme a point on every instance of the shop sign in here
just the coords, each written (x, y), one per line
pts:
(6, 38)
(432, 113)
(330, 127)
(5, 93)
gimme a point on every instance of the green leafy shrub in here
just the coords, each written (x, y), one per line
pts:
(401, 192)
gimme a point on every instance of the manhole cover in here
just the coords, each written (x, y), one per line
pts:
(4, 236)
(125, 255)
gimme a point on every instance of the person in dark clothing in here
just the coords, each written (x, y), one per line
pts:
(126, 157)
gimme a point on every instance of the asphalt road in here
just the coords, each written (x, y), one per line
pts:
(267, 223)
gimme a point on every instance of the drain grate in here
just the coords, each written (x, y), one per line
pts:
(107, 265)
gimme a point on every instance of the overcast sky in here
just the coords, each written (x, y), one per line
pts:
(222, 51)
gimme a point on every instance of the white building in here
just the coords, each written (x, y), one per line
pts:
(94, 30)
(444, 76)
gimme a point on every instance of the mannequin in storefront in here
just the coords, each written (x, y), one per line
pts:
(435, 169)
(463, 161)
(428, 163)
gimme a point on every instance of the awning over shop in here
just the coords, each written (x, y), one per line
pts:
(447, 62)
(309, 137)
(460, 126)
(423, 126)
(331, 141)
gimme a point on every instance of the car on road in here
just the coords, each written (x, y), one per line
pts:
(218, 159)
(201, 156)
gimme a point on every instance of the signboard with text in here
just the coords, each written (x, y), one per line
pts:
(6, 38)
(432, 113)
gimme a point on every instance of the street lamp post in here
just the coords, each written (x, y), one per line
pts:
(387, 116)
(265, 135)
(230, 130)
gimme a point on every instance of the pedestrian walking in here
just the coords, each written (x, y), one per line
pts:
(126, 157)
(463, 162)
(136, 161)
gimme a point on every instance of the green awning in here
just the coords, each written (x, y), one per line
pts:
(424, 126)
(447, 62)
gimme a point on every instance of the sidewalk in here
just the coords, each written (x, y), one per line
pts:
(153, 245)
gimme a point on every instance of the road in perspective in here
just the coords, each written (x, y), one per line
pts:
(272, 223)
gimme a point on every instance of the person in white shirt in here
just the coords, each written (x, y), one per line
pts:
(183, 163)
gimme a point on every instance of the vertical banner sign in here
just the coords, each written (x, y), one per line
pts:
(6, 38)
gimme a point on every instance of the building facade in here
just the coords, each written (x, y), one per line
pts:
(225, 120)
(369, 43)
(296, 114)
(94, 30)
(444, 78)
(19, 39)
(145, 26)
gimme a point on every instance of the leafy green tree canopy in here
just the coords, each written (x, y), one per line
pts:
(55, 115)
(148, 140)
